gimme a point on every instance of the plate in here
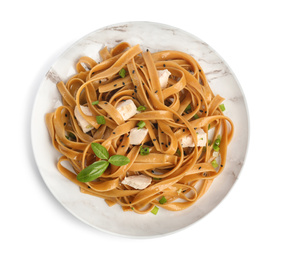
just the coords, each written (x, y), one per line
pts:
(94, 211)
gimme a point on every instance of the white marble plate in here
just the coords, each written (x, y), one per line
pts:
(94, 211)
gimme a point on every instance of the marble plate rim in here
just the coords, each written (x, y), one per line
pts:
(35, 115)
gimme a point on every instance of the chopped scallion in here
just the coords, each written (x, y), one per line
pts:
(222, 107)
(196, 116)
(216, 148)
(187, 109)
(214, 164)
(95, 102)
(141, 124)
(144, 150)
(178, 152)
(155, 210)
(141, 108)
(179, 191)
(72, 135)
(122, 73)
(163, 200)
(100, 120)
(217, 142)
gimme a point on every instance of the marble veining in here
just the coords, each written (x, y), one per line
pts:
(94, 211)
(236, 99)
(119, 28)
(53, 76)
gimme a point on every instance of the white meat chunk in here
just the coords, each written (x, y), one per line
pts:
(127, 109)
(187, 141)
(138, 182)
(136, 135)
(163, 77)
(84, 124)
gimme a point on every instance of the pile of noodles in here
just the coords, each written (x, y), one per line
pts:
(181, 175)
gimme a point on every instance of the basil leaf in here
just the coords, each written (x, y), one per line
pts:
(93, 171)
(119, 160)
(100, 151)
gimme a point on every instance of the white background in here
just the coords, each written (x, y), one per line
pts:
(248, 224)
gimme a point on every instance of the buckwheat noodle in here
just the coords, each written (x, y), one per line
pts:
(181, 175)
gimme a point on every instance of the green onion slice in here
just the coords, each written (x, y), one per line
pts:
(216, 148)
(144, 150)
(163, 200)
(101, 120)
(222, 107)
(141, 124)
(155, 210)
(187, 109)
(214, 164)
(122, 73)
(141, 108)
(95, 102)
(178, 152)
(217, 142)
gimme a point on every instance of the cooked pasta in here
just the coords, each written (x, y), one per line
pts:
(173, 159)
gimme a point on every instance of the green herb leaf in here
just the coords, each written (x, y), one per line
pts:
(119, 160)
(163, 200)
(101, 120)
(144, 150)
(141, 108)
(93, 171)
(122, 73)
(95, 102)
(155, 210)
(100, 151)
(141, 124)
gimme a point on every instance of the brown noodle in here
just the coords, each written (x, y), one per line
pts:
(185, 174)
